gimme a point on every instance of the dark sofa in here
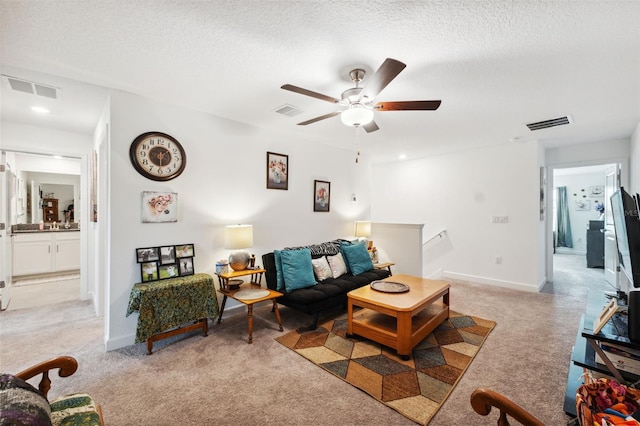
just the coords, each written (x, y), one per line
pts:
(325, 295)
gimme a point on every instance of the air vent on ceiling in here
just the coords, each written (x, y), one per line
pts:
(559, 121)
(31, 87)
(289, 110)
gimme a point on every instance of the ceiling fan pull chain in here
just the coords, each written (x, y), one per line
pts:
(357, 144)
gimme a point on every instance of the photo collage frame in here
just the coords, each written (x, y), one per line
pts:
(159, 263)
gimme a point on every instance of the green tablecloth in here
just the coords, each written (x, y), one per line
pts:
(167, 304)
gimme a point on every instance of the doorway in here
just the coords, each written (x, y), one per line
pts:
(580, 231)
(35, 179)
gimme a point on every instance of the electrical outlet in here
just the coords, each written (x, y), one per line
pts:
(498, 260)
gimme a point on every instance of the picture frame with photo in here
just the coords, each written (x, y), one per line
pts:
(168, 271)
(277, 171)
(149, 271)
(167, 255)
(184, 250)
(321, 196)
(147, 254)
(159, 207)
(185, 266)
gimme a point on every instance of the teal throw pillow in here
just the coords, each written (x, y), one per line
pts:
(279, 276)
(357, 257)
(297, 269)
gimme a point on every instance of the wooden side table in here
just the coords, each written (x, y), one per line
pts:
(226, 279)
(239, 292)
(385, 265)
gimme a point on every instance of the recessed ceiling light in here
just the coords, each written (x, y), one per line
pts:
(40, 110)
(402, 156)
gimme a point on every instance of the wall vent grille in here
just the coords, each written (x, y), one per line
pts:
(289, 110)
(559, 121)
(31, 87)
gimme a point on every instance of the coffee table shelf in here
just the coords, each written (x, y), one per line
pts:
(399, 320)
(384, 327)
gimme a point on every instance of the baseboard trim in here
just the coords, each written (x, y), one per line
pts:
(490, 281)
(119, 342)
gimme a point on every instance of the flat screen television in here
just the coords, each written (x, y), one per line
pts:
(624, 209)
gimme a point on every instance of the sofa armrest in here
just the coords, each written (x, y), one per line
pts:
(66, 364)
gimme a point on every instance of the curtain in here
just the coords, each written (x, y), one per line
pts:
(564, 224)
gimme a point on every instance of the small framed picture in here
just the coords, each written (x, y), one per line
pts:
(167, 271)
(321, 195)
(149, 271)
(167, 255)
(185, 266)
(277, 171)
(184, 250)
(158, 207)
(148, 254)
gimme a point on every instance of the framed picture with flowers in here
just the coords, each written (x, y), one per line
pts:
(321, 195)
(277, 171)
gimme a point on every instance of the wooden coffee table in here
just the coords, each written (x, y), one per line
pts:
(399, 320)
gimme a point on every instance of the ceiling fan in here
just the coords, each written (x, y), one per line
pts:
(360, 100)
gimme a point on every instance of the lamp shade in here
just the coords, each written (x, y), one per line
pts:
(238, 237)
(356, 115)
(363, 229)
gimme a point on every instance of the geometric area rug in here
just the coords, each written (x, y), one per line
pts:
(415, 388)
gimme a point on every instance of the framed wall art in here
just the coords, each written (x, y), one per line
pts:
(148, 254)
(277, 171)
(159, 207)
(185, 266)
(167, 271)
(149, 271)
(321, 195)
(184, 250)
(167, 255)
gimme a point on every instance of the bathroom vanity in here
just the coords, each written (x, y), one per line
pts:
(45, 251)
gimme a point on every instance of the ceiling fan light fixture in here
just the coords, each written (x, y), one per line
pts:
(356, 115)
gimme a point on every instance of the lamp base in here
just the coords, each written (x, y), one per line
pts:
(239, 260)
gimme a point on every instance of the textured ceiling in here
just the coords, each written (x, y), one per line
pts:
(496, 65)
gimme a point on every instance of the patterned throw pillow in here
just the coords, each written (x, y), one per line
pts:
(321, 268)
(21, 404)
(338, 267)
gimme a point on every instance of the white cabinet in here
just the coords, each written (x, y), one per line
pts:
(45, 252)
(67, 251)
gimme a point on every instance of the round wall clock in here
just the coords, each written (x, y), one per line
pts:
(157, 156)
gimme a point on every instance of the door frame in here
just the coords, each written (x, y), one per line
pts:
(624, 178)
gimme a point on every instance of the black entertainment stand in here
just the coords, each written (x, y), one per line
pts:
(586, 345)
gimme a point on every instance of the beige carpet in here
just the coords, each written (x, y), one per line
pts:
(222, 380)
(417, 387)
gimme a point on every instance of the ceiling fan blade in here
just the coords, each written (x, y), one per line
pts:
(322, 117)
(313, 94)
(389, 70)
(407, 106)
(370, 127)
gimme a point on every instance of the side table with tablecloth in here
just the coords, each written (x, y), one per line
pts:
(165, 306)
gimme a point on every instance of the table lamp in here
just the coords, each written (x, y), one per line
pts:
(363, 230)
(239, 238)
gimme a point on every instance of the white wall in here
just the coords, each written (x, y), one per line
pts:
(460, 193)
(578, 188)
(224, 183)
